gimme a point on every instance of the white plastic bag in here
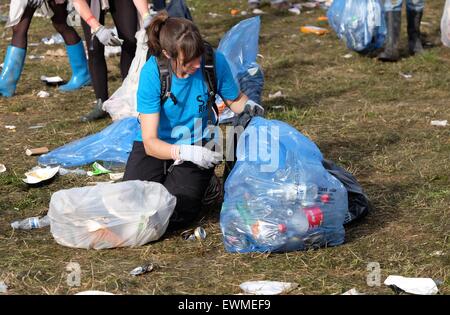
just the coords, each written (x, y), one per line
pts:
(123, 102)
(130, 213)
(445, 24)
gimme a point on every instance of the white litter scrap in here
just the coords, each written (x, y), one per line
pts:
(116, 176)
(55, 79)
(276, 95)
(295, 9)
(352, 292)
(111, 51)
(406, 75)
(258, 11)
(53, 40)
(213, 15)
(440, 123)
(267, 287)
(433, 254)
(419, 286)
(33, 57)
(10, 127)
(39, 174)
(3, 287)
(347, 56)
(93, 292)
(43, 94)
(2, 168)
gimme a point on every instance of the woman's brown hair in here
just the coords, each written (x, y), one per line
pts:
(175, 36)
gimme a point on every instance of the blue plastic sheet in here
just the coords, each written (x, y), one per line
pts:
(279, 197)
(361, 24)
(112, 144)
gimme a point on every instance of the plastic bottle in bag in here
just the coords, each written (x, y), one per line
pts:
(31, 223)
(269, 233)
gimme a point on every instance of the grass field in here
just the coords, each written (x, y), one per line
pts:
(363, 114)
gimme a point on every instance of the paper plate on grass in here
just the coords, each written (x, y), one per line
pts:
(39, 174)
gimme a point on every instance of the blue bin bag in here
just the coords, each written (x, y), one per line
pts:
(279, 197)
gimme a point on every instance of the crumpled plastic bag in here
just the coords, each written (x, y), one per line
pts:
(112, 144)
(130, 213)
(445, 24)
(278, 196)
(123, 102)
(361, 24)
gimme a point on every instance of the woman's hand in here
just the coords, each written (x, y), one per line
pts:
(106, 36)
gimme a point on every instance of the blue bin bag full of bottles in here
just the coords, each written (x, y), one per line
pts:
(361, 24)
(112, 144)
(240, 47)
(279, 197)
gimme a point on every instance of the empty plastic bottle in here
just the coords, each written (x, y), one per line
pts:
(269, 233)
(31, 223)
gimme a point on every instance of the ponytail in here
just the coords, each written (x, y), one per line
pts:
(153, 31)
(175, 36)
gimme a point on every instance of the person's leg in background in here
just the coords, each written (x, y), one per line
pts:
(125, 18)
(98, 71)
(188, 183)
(159, 5)
(393, 13)
(15, 55)
(414, 10)
(75, 48)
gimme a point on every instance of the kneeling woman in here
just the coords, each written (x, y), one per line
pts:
(159, 143)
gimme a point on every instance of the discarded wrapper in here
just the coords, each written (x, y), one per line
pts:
(275, 95)
(52, 81)
(36, 151)
(142, 269)
(2, 168)
(43, 94)
(352, 292)
(98, 170)
(406, 75)
(308, 29)
(258, 11)
(38, 174)
(441, 123)
(3, 287)
(116, 176)
(10, 127)
(267, 287)
(93, 292)
(419, 286)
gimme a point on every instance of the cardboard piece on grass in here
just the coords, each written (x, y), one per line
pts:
(36, 151)
(419, 286)
(267, 287)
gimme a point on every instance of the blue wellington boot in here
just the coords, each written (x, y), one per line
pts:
(12, 68)
(80, 71)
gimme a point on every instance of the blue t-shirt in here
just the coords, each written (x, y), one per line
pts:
(181, 123)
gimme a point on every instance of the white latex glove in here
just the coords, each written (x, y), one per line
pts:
(107, 37)
(199, 155)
